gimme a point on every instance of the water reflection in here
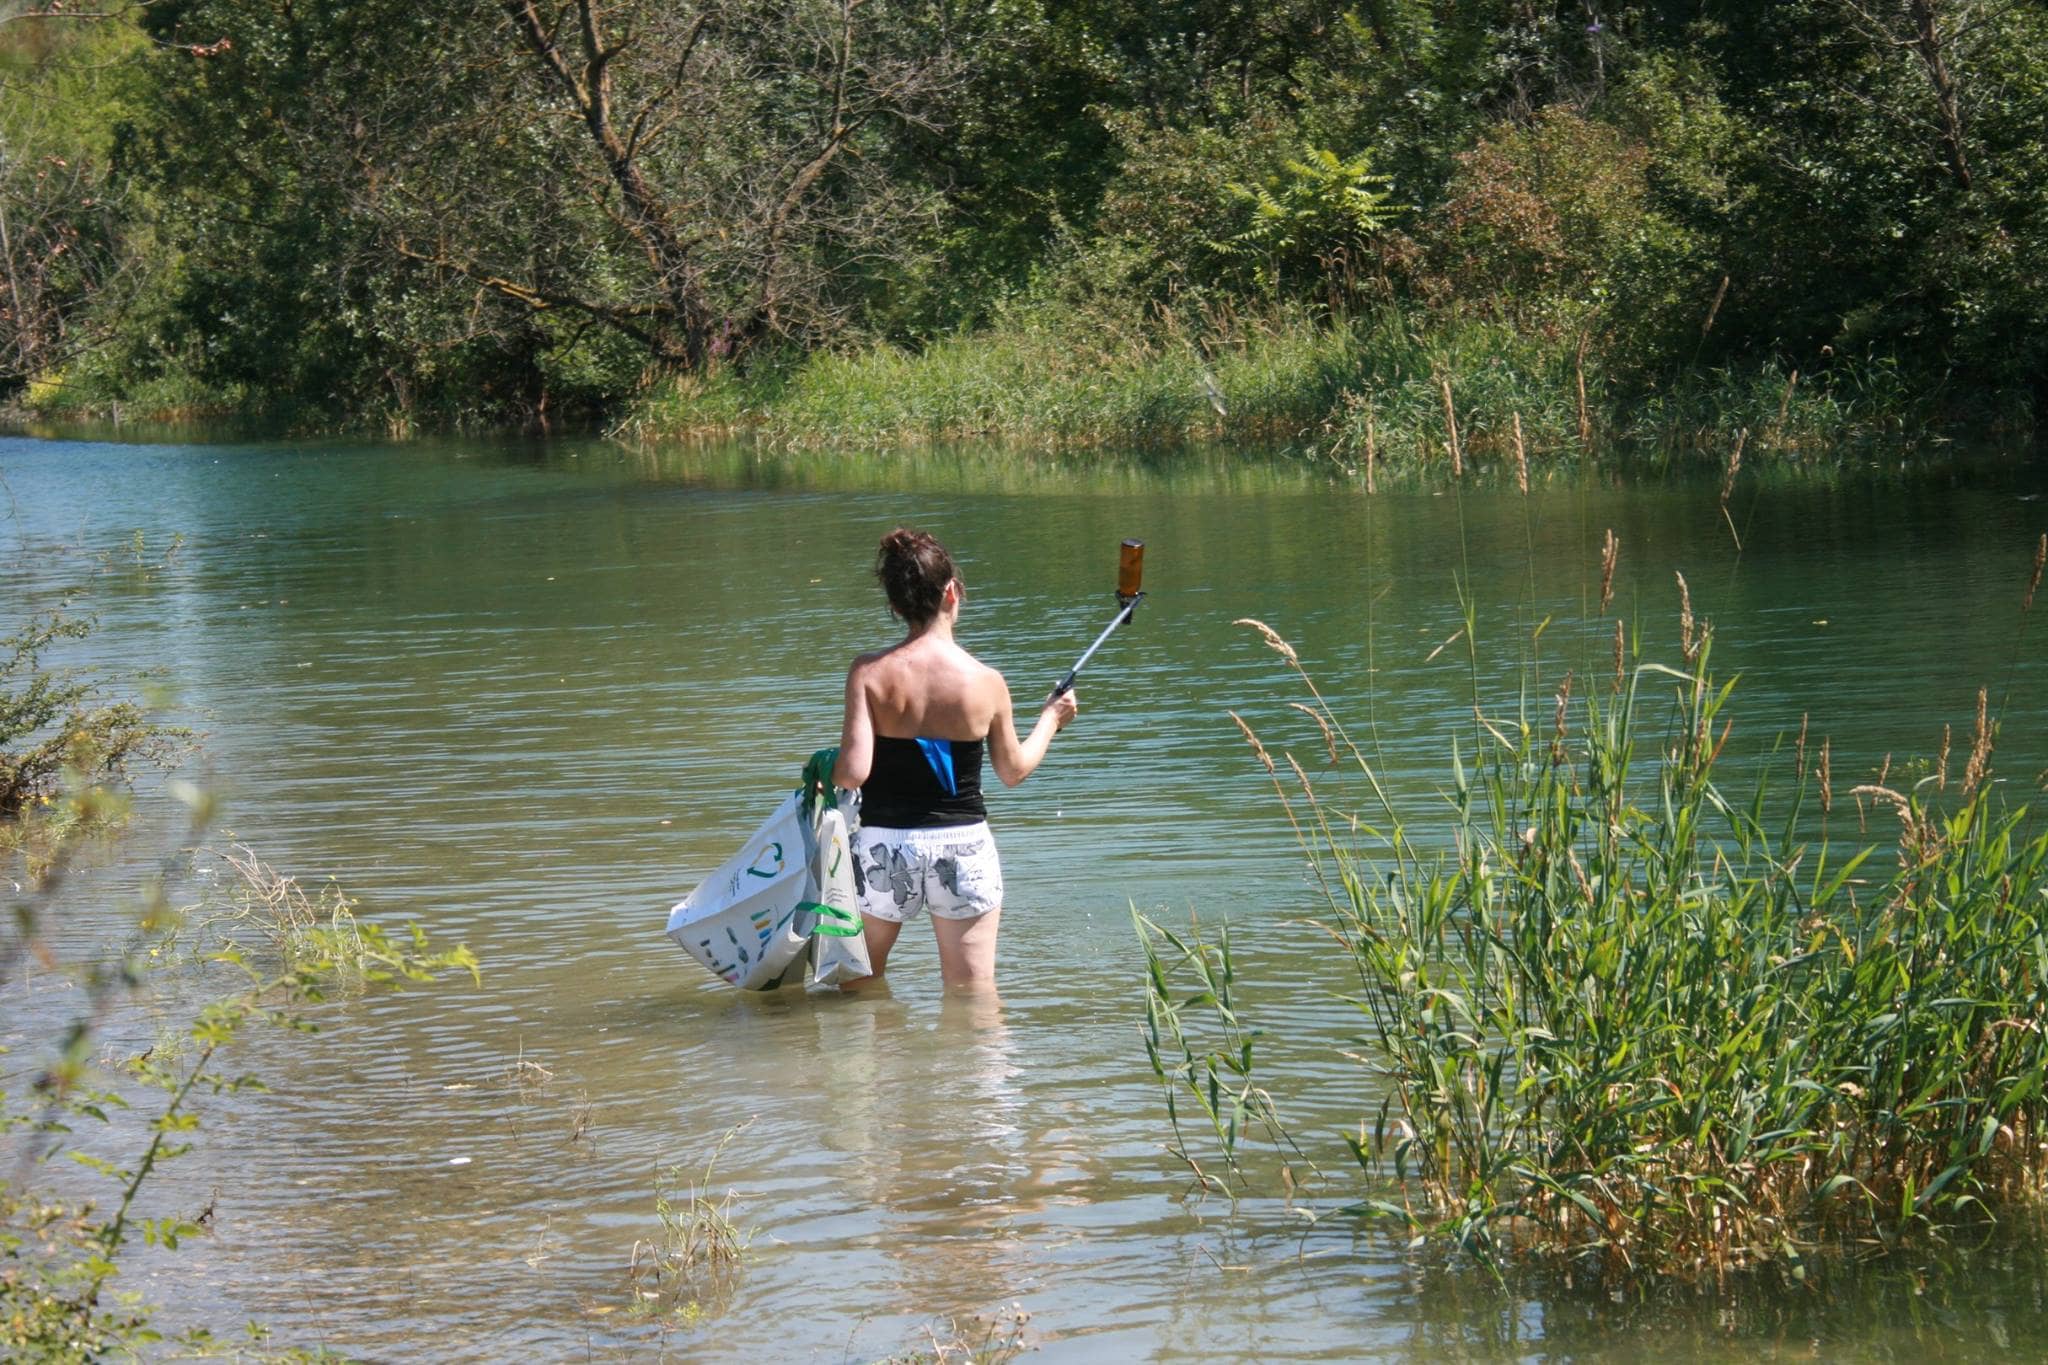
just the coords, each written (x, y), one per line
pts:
(928, 1124)
(1991, 1303)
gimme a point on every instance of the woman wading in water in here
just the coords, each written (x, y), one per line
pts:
(919, 716)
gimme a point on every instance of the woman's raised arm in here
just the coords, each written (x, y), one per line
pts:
(1013, 760)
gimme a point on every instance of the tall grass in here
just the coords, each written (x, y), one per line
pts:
(1367, 392)
(1040, 378)
(1619, 1011)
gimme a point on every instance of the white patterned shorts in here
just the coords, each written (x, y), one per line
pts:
(950, 870)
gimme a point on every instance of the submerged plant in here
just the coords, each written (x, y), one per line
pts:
(982, 1339)
(1617, 1012)
(295, 927)
(699, 1248)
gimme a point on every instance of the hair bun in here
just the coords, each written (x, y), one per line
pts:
(914, 569)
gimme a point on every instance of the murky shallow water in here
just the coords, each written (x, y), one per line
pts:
(527, 696)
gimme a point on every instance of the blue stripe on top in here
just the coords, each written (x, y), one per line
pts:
(939, 753)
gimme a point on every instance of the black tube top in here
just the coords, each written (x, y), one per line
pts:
(923, 783)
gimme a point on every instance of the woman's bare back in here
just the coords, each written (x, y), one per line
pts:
(930, 688)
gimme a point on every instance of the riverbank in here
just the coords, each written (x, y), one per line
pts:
(1378, 394)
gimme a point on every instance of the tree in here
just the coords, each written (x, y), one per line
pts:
(64, 258)
(1898, 164)
(726, 156)
(439, 206)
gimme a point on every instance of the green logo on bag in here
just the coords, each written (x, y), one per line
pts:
(755, 871)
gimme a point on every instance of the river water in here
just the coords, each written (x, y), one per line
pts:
(526, 695)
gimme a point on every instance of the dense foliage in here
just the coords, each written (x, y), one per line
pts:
(1623, 1008)
(437, 212)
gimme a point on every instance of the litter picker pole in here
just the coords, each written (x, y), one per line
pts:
(1130, 572)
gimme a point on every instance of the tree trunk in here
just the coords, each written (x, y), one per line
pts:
(646, 216)
(1927, 42)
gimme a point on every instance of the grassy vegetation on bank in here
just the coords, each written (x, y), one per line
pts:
(1617, 1011)
(1372, 392)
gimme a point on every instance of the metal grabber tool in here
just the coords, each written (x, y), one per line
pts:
(1130, 571)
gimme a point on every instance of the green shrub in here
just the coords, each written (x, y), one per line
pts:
(1552, 225)
(54, 724)
(1620, 1013)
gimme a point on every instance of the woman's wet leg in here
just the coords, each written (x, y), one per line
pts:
(967, 949)
(881, 937)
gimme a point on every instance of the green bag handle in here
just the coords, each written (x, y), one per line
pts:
(817, 781)
(832, 920)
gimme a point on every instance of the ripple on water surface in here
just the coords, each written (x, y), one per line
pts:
(528, 698)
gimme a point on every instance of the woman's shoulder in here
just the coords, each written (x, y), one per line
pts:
(985, 679)
(866, 663)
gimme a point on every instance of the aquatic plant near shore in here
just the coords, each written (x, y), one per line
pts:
(57, 725)
(295, 927)
(700, 1247)
(992, 1338)
(1617, 1013)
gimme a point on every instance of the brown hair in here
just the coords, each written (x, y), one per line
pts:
(914, 570)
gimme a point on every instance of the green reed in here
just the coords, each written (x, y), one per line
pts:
(1379, 395)
(1618, 1010)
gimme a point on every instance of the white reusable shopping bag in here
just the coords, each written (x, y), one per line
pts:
(839, 950)
(751, 920)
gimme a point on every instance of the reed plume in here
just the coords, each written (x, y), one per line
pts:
(1322, 724)
(1252, 739)
(1371, 450)
(1585, 415)
(1272, 639)
(1728, 485)
(1883, 775)
(1734, 467)
(1912, 833)
(1522, 463)
(1280, 788)
(1688, 640)
(1714, 311)
(1979, 766)
(1559, 731)
(1610, 555)
(1785, 403)
(1451, 429)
